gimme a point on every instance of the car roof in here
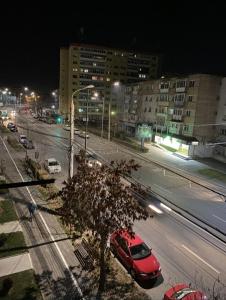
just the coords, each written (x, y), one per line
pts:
(188, 294)
(51, 159)
(131, 240)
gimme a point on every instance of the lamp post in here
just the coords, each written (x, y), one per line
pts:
(102, 121)
(72, 116)
(115, 84)
(86, 127)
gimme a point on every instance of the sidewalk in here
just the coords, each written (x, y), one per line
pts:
(8, 227)
(191, 166)
(15, 264)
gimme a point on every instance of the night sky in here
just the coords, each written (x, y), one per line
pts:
(191, 37)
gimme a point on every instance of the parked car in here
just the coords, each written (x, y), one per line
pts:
(83, 135)
(52, 165)
(9, 125)
(183, 292)
(135, 255)
(22, 138)
(28, 144)
(13, 128)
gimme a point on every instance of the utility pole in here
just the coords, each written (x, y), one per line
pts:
(72, 117)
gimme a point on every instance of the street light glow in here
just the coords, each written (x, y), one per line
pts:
(116, 83)
(26, 89)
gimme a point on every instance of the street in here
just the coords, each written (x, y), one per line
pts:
(186, 252)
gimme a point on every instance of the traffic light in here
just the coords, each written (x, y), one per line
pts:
(59, 120)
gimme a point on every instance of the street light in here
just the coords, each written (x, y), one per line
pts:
(72, 116)
(115, 84)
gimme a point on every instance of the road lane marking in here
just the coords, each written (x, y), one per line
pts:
(166, 207)
(201, 259)
(219, 218)
(155, 209)
(161, 188)
(44, 222)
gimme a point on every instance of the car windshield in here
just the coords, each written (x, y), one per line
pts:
(182, 293)
(140, 251)
(53, 163)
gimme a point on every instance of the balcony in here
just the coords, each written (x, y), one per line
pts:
(179, 103)
(164, 91)
(180, 89)
(178, 118)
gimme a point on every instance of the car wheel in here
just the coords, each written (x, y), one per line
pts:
(133, 273)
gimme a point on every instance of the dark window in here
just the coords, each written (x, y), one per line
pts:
(145, 109)
(190, 98)
(149, 109)
(191, 83)
(140, 251)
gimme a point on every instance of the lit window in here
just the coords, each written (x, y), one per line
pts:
(94, 77)
(108, 79)
(94, 64)
(86, 71)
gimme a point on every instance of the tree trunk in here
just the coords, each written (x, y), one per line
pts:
(102, 278)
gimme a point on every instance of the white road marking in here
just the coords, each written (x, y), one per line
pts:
(44, 222)
(166, 207)
(161, 188)
(219, 218)
(155, 209)
(201, 259)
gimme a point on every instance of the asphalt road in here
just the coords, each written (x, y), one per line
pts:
(51, 252)
(52, 140)
(186, 253)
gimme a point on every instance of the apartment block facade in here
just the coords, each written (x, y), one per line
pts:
(82, 65)
(189, 109)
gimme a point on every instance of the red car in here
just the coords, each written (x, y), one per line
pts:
(183, 292)
(135, 255)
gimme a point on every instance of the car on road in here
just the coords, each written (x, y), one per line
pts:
(135, 255)
(22, 138)
(9, 125)
(67, 127)
(183, 292)
(13, 128)
(52, 166)
(92, 159)
(82, 134)
(76, 131)
(28, 144)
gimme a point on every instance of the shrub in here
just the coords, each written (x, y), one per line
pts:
(6, 286)
(37, 170)
(3, 239)
(14, 143)
(3, 191)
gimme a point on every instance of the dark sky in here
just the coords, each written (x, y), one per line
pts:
(191, 36)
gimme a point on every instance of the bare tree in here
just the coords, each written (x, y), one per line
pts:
(96, 200)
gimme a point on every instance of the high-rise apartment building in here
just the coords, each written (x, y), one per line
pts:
(82, 65)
